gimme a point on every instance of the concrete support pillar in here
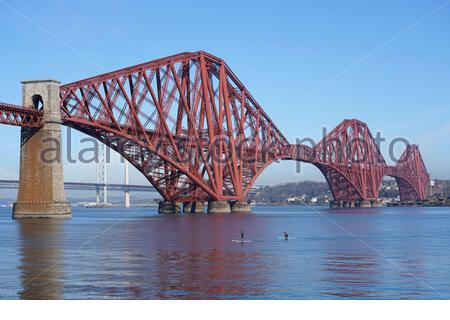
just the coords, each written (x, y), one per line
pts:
(97, 196)
(218, 207)
(127, 182)
(194, 207)
(41, 181)
(127, 199)
(167, 207)
(240, 207)
(334, 204)
(365, 204)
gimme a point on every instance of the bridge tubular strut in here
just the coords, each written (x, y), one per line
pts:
(191, 127)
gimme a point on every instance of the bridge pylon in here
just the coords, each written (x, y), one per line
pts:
(41, 181)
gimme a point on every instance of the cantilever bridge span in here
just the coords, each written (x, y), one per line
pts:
(194, 131)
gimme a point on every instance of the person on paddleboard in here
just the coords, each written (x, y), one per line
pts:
(242, 235)
(286, 236)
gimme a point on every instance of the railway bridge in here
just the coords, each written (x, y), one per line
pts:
(191, 127)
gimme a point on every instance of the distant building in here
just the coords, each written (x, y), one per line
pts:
(439, 188)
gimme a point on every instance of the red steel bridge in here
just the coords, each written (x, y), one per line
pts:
(196, 133)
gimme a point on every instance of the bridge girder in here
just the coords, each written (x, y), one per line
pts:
(186, 122)
(20, 116)
(411, 175)
(196, 133)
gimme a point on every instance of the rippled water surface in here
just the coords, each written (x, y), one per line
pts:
(383, 253)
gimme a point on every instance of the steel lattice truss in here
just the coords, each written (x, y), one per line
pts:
(191, 127)
(354, 168)
(186, 122)
(351, 162)
(21, 116)
(411, 175)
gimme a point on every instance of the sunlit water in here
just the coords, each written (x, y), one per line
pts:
(384, 253)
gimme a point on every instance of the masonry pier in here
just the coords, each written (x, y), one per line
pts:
(354, 204)
(240, 207)
(334, 204)
(169, 207)
(193, 207)
(365, 204)
(219, 207)
(41, 181)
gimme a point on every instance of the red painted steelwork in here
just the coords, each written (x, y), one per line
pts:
(20, 116)
(354, 168)
(351, 162)
(186, 122)
(411, 175)
(192, 128)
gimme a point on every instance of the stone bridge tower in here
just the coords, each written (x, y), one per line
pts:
(41, 181)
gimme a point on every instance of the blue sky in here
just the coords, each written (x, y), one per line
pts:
(310, 64)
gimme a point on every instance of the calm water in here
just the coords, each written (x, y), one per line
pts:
(385, 253)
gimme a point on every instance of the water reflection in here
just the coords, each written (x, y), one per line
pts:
(351, 266)
(352, 276)
(209, 275)
(361, 264)
(192, 257)
(40, 254)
